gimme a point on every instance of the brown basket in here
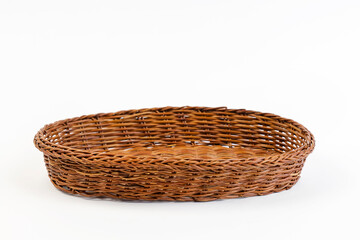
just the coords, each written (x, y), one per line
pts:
(175, 153)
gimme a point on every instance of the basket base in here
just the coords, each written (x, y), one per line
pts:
(199, 152)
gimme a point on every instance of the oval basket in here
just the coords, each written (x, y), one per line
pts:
(175, 153)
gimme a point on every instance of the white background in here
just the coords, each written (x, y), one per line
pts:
(298, 59)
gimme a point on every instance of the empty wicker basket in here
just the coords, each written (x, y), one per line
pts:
(175, 153)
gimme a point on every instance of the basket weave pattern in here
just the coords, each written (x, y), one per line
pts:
(175, 153)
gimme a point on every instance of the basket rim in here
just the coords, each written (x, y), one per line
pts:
(88, 156)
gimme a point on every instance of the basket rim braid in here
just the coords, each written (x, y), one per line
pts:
(175, 153)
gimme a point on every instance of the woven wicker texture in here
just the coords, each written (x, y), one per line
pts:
(175, 153)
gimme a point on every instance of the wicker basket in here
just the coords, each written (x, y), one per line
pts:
(175, 153)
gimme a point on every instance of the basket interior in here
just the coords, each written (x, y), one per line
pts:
(177, 127)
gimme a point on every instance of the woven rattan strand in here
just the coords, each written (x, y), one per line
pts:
(175, 153)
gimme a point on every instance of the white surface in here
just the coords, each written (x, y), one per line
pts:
(298, 59)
